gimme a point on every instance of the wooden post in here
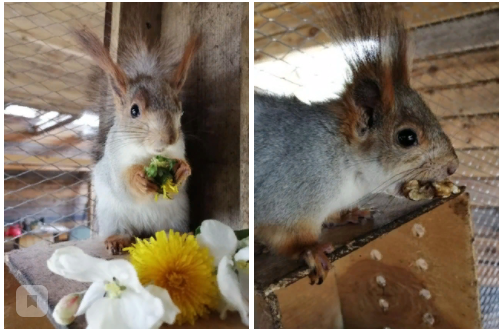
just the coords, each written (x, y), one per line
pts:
(215, 107)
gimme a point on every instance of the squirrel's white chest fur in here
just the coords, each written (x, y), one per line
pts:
(354, 186)
(118, 212)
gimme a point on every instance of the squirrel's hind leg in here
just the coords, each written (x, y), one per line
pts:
(299, 241)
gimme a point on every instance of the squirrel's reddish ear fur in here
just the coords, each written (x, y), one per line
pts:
(94, 47)
(180, 75)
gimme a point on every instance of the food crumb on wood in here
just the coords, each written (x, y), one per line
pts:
(418, 230)
(425, 294)
(422, 264)
(380, 280)
(428, 319)
(376, 255)
(383, 304)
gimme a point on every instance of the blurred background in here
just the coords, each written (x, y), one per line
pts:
(47, 130)
(455, 69)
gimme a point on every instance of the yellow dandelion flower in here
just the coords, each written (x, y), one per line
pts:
(177, 263)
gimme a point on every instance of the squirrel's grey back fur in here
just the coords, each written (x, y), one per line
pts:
(290, 138)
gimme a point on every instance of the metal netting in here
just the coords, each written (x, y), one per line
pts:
(456, 72)
(47, 129)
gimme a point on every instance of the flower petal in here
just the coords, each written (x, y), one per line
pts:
(242, 254)
(140, 310)
(170, 309)
(94, 292)
(65, 311)
(105, 313)
(125, 274)
(72, 263)
(219, 238)
(229, 287)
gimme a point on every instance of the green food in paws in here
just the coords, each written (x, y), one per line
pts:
(161, 171)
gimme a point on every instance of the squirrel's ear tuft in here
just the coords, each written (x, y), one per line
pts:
(93, 46)
(180, 75)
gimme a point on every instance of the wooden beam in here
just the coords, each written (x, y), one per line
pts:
(481, 98)
(458, 35)
(212, 105)
(456, 68)
(244, 121)
(14, 162)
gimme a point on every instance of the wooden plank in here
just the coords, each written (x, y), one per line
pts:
(213, 105)
(466, 100)
(456, 68)
(472, 132)
(244, 121)
(458, 35)
(450, 276)
(42, 160)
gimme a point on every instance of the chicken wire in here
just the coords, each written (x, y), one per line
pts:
(47, 129)
(292, 55)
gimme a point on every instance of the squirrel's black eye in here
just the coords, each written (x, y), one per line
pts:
(407, 138)
(135, 111)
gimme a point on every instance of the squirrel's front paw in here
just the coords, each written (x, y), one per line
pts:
(140, 184)
(116, 243)
(182, 172)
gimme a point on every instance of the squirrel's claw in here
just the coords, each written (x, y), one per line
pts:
(116, 243)
(318, 263)
(354, 216)
(143, 185)
(183, 171)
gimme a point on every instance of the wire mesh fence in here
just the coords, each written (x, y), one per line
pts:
(47, 130)
(455, 70)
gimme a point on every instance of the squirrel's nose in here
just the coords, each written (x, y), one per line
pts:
(452, 167)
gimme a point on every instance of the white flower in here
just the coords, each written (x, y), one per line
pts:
(231, 259)
(115, 299)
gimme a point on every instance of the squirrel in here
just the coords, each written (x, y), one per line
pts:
(140, 117)
(315, 160)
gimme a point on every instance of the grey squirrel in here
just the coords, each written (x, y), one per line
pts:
(311, 161)
(140, 117)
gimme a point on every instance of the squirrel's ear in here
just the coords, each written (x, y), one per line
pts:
(180, 75)
(367, 98)
(93, 46)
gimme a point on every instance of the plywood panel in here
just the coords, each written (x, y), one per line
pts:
(450, 276)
